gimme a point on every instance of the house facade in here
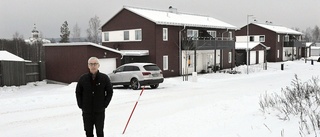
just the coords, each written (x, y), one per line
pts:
(178, 43)
(285, 43)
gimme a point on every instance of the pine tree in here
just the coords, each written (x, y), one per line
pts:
(64, 32)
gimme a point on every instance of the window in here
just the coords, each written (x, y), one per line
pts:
(251, 38)
(193, 34)
(138, 34)
(278, 38)
(165, 62)
(261, 38)
(278, 54)
(106, 36)
(230, 57)
(165, 34)
(230, 35)
(212, 33)
(126, 35)
(286, 38)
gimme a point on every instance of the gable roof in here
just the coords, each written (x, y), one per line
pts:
(178, 19)
(250, 45)
(84, 44)
(279, 29)
(7, 56)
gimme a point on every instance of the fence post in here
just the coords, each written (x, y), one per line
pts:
(282, 66)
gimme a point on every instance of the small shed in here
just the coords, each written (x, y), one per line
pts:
(66, 62)
(15, 71)
(257, 52)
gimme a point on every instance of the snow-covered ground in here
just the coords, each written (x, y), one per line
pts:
(216, 105)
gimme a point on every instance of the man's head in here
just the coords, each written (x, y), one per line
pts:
(93, 65)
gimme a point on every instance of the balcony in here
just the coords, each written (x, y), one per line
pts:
(294, 43)
(202, 43)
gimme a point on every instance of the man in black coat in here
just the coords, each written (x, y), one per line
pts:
(94, 92)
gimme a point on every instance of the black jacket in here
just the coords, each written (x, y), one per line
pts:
(94, 95)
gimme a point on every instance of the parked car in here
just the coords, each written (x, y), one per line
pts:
(136, 75)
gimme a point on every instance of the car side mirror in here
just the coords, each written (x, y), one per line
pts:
(115, 71)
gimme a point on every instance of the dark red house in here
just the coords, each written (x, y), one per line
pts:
(170, 39)
(285, 43)
(66, 62)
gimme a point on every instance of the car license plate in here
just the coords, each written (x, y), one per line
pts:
(155, 75)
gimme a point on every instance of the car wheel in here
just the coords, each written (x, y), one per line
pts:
(154, 86)
(134, 83)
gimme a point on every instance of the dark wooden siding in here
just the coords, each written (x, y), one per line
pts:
(67, 63)
(14, 73)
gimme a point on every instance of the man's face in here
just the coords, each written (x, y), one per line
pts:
(93, 66)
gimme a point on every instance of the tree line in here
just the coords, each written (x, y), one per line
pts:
(35, 52)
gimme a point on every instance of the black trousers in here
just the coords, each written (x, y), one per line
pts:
(93, 119)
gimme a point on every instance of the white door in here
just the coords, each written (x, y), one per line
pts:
(261, 56)
(253, 56)
(107, 65)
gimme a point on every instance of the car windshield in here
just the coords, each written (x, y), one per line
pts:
(151, 67)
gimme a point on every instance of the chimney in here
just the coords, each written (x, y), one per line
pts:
(173, 10)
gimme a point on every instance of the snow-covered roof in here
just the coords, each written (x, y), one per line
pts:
(250, 45)
(179, 19)
(135, 52)
(279, 29)
(82, 44)
(7, 56)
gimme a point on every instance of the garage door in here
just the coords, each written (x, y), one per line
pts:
(107, 65)
(261, 56)
(253, 56)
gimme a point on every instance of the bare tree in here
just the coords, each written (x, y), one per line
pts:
(76, 33)
(93, 32)
(308, 34)
(17, 35)
(316, 33)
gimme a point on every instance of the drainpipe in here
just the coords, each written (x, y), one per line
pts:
(221, 59)
(180, 54)
(225, 32)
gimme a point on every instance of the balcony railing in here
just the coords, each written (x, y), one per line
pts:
(293, 43)
(214, 44)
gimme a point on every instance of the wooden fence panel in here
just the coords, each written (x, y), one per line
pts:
(13, 73)
(32, 71)
(20, 73)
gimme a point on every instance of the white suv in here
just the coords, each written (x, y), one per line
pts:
(136, 75)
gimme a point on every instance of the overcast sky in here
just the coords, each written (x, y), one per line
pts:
(48, 15)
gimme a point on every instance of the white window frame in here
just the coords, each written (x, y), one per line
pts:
(138, 34)
(165, 34)
(212, 33)
(193, 33)
(126, 35)
(286, 38)
(106, 36)
(165, 62)
(278, 53)
(278, 38)
(262, 38)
